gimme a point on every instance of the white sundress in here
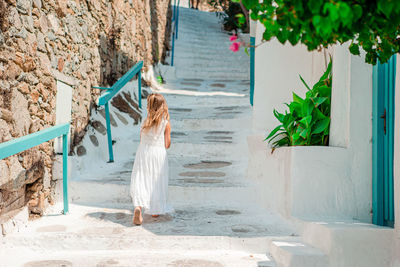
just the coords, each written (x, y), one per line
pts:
(149, 179)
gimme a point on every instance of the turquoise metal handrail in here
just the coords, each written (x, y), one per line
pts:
(175, 19)
(112, 91)
(18, 145)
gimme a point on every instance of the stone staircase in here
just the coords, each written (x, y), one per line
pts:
(202, 49)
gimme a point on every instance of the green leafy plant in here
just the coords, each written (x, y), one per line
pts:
(160, 79)
(307, 121)
(370, 25)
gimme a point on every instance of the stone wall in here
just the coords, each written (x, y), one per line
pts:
(92, 43)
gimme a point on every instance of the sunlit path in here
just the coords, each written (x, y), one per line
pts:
(216, 222)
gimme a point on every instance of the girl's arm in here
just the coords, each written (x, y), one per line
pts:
(167, 136)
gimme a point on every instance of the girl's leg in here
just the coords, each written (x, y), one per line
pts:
(137, 216)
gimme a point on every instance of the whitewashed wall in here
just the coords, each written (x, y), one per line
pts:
(277, 69)
(351, 125)
(345, 191)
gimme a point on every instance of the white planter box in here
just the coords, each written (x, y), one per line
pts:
(312, 182)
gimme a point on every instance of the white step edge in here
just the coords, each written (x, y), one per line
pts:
(297, 254)
(351, 244)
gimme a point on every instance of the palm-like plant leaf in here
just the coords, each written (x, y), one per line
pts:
(306, 122)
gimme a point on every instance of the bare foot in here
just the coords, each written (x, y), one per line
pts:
(137, 216)
(155, 216)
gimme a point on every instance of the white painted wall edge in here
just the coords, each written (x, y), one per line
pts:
(311, 182)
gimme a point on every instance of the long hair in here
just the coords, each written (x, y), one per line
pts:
(157, 109)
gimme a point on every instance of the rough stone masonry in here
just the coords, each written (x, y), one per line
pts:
(93, 42)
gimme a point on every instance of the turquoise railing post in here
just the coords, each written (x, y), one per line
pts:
(20, 144)
(177, 20)
(173, 47)
(252, 58)
(140, 89)
(109, 138)
(65, 173)
(173, 15)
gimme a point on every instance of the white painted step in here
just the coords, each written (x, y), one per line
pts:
(101, 192)
(211, 75)
(143, 258)
(89, 228)
(351, 243)
(297, 254)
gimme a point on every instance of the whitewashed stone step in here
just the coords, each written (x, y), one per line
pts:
(297, 254)
(220, 71)
(207, 57)
(212, 75)
(90, 192)
(351, 243)
(145, 258)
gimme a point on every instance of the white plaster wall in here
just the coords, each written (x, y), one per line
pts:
(270, 173)
(342, 176)
(321, 185)
(351, 122)
(396, 169)
(360, 140)
(340, 115)
(304, 182)
(277, 69)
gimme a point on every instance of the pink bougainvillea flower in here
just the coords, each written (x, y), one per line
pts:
(233, 38)
(234, 47)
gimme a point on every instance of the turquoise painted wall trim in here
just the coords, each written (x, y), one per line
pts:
(383, 142)
(112, 91)
(390, 125)
(252, 66)
(18, 145)
(377, 203)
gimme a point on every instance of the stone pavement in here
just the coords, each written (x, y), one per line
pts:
(216, 221)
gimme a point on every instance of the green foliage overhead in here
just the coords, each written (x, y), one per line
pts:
(307, 121)
(232, 15)
(373, 25)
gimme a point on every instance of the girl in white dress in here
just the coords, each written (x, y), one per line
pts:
(149, 180)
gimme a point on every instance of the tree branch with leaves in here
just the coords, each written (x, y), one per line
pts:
(371, 25)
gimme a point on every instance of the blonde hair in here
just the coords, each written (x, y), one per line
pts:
(157, 109)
